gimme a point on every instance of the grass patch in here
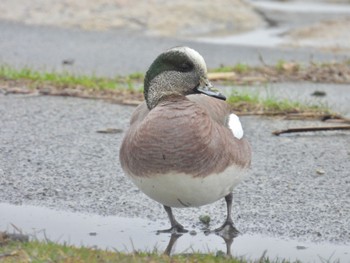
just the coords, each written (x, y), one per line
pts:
(136, 76)
(68, 80)
(121, 89)
(238, 68)
(326, 72)
(252, 103)
(35, 251)
(129, 89)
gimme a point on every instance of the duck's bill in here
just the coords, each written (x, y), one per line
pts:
(211, 93)
(206, 88)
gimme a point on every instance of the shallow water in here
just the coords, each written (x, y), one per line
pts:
(129, 234)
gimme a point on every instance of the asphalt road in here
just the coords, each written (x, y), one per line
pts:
(110, 53)
(51, 154)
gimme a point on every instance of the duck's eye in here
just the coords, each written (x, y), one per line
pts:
(186, 66)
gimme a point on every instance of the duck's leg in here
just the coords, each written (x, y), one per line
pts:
(176, 227)
(228, 227)
(171, 243)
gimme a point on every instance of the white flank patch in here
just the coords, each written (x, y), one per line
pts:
(235, 126)
(183, 190)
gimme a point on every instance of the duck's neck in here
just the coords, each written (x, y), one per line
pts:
(159, 91)
(168, 84)
(154, 98)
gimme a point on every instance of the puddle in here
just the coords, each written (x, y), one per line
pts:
(129, 234)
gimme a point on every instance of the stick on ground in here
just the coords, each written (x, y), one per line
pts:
(312, 129)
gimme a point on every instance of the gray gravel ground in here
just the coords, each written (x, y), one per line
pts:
(51, 155)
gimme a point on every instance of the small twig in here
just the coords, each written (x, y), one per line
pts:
(110, 130)
(261, 59)
(336, 118)
(18, 229)
(214, 76)
(263, 257)
(311, 129)
(134, 251)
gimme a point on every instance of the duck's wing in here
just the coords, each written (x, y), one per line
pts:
(139, 114)
(217, 109)
(229, 129)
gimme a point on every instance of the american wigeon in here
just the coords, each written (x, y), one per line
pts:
(184, 147)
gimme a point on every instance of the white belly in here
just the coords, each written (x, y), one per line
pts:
(183, 190)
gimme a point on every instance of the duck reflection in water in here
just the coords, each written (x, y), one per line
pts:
(228, 238)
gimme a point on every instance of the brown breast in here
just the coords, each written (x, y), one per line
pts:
(181, 135)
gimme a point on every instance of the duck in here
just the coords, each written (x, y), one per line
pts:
(184, 147)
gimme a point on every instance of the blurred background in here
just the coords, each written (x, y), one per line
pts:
(317, 23)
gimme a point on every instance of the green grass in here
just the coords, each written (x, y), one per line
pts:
(279, 65)
(131, 88)
(136, 76)
(35, 251)
(238, 68)
(237, 97)
(252, 102)
(284, 66)
(66, 79)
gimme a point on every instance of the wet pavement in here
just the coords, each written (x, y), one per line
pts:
(52, 155)
(129, 235)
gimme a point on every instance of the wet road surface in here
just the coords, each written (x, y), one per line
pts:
(52, 155)
(129, 235)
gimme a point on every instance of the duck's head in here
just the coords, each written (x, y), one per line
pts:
(177, 71)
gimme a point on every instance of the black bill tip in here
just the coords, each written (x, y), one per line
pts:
(211, 93)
